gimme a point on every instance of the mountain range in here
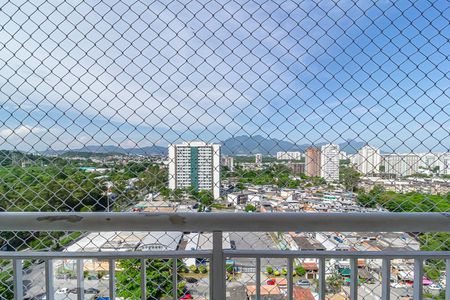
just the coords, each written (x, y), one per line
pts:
(239, 145)
(245, 145)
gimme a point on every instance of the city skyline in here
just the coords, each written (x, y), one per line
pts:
(306, 86)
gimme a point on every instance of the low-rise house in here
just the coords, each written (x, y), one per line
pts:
(267, 292)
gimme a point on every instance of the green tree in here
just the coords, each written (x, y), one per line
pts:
(335, 282)
(6, 291)
(300, 271)
(159, 279)
(206, 197)
(250, 208)
(349, 177)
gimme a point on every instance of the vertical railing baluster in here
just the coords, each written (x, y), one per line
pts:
(386, 279)
(258, 278)
(18, 279)
(218, 268)
(290, 278)
(175, 279)
(447, 279)
(418, 279)
(80, 279)
(49, 286)
(143, 279)
(353, 279)
(112, 279)
(322, 282)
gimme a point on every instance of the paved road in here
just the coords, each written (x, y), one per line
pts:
(256, 240)
(35, 283)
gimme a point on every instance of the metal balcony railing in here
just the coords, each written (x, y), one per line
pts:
(219, 223)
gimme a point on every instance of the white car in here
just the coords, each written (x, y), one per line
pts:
(397, 285)
(62, 291)
(434, 287)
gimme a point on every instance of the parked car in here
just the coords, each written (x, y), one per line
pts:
(233, 245)
(186, 296)
(271, 281)
(406, 297)
(303, 283)
(191, 280)
(62, 291)
(91, 291)
(106, 277)
(434, 287)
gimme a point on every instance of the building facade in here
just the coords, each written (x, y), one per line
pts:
(330, 162)
(312, 162)
(228, 162)
(296, 167)
(291, 155)
(367, 160)
(401, 164)
(196, 165)
(406, 164)
(258, 160)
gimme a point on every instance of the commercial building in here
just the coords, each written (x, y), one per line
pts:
(292, 155)
(258, 160)
(228, 162)
(367, 160)
(312, 162)
(296, 167)
(195, 164)
(412, 163)
(330, 162)
(401, 164)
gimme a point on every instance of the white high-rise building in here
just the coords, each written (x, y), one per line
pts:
(258, 160)
(412, 163)
(195, 164)
(402, 164)
(329, 159)
(367, 160)
(227, 161)
(290, 155)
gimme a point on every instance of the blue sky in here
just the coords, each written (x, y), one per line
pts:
(137, 73)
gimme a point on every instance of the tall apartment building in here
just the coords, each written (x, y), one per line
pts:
(228, 162)
(290, 155)
(330, 162)
(312, 162)
(258, 160)
(195, 164)
(402, 164)
(435, 162)
(411, 163)
(296, 167)
(367, 160)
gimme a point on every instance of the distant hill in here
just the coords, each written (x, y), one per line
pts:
(239, 145)
(16, 158)
(249, 145)
(246, 145)
(110, 149)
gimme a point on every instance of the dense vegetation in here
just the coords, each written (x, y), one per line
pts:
(407, 202)
(277, 174)
(412, 202)
(158, 275)
(52, 188)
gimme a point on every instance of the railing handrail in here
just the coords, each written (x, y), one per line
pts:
(253, 253)
(233, 222)
(105, 255)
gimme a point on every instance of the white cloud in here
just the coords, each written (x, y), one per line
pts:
(21, 132)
